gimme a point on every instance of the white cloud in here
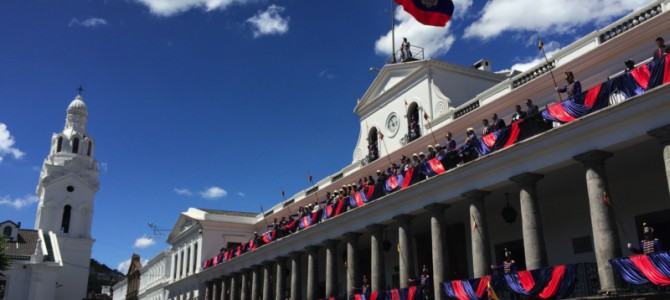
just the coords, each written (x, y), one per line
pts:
(7, 144)
(241, 194)
(461, 7)
(144, 242)
(214, 192)
(547, 16)
(19, 203)
(124, 265)
(183, 192)
(102, 166)
(327, 75)
(168, 8)
(434, 40)
(90, 22)
(269, 22)
(529, 62)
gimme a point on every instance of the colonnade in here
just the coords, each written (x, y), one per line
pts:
(605, 238)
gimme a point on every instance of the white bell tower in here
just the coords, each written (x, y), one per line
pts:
(67, 186)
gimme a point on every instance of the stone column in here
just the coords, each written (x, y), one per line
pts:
(531, 222)
(331, 268)
(208, 290)
(404, 247)
(481, 250)
(256, 283)
(235, 286)
(280, 283)
(267, 284)
(215, 290)
(189, 265)
(663, 135)
(244, 289)
(377, 276)
(312, 272)
(351, 238)
(605, 235)
(296, 283)
(438, 247)
(225, 286)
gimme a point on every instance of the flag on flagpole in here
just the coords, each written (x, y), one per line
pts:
(425, 116)
(381, 135)
(540, 45)
(429, 12)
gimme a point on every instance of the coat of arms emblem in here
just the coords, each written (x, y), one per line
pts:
(429, 3)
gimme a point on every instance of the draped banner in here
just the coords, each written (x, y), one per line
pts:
(291, 227)
(645, 268)
(638, 80)
(434, 167)
(407, 181)
(269, 236)
(557, 281)
(393, 183)
(305, 222)
(357, 199)
(499, 139)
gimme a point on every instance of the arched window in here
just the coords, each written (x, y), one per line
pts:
(75, 145)
(90, 147)
(373, 149)
(65, 224)
(59, 146)
(7, 231)
(413, 129)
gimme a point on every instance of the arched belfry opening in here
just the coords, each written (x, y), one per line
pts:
(75, 145)
(89, 149)
(413, 128)
(373, 149)
(65, 224)
(59, 144)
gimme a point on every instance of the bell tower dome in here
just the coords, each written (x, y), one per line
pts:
(66, 189)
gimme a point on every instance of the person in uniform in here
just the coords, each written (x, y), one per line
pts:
(573, 88)
(649, 244)
(508, 265)
(661, 48)
(424, 282)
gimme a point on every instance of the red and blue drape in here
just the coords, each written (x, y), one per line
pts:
(358, 199)
(645, 268)
(393, 183)
(638, 80)
(498, 139)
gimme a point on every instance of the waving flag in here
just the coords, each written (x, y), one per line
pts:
(429, 12)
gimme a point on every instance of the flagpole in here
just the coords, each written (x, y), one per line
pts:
(541, 45)
(264, 218)
(425, 116)
(289, 206)
(381, 137)
(316, 193)
(392, 33)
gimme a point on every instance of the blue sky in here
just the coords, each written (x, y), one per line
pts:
(220, 103)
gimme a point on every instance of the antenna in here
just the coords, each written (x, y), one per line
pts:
(157, 232)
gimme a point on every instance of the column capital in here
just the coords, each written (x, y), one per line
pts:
(527, 178)
(352, 236)
(331, 243)
(592, 157)
(661, 133)
(404, 218)
(436, 207)
(312, 249)
(375, 227)
(475, 194)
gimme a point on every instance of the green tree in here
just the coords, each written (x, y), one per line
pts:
(4, 260)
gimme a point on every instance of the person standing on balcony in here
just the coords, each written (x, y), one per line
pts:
(661, 48)
(649, 244)
(533, 110)
(519, 114)
(487, 128)
(508, 265)
(405, 47)
(450, 144)
(573, 88)
(497, 123)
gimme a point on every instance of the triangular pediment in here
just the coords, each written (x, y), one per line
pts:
(388, 77)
